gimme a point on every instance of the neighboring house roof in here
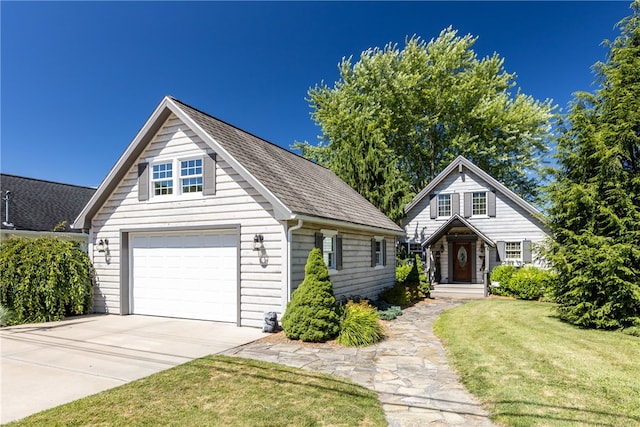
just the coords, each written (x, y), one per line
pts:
(460, 162)
(38, 205)
(455, 221)
(295, 186)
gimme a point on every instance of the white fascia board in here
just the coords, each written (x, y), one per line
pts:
(343, 224)
(81, 219)
(281, 211)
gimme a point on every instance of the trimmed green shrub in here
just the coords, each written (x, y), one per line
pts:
(359, 325)
(527, 283)
(502, 274)
(44, 279)
(402, 271)
(409, 290)
(425, 287)
(311, 315)
(6, 316)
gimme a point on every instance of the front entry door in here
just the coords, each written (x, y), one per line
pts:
(462, 262)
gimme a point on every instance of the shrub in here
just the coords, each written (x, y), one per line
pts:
(311, 315)
(387, 311)
(425, 287)
(44, 279)
(402, 271)
(406, 291)
(359, 325)
(527, 283)
(502, 274)
(6, 316)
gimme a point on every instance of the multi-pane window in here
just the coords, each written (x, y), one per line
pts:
(162, 179)
(378, 252)
(479, 203)
(191, 176)
(513, 250)
(444, 205)
(329, 251)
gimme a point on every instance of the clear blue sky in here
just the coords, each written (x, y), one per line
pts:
(79, 79)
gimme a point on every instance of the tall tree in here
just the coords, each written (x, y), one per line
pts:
(396, 118)
(595, 199)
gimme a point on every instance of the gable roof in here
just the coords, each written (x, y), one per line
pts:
(38, 205)
(295, 186)
(461, 162)
(456, 221)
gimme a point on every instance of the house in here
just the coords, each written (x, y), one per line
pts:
(200, 219)
(467, 222)
(34, 207)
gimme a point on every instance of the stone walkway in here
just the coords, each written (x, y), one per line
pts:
(408, 370)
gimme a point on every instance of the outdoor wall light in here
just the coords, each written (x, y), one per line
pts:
(103, 245)
(441, 247)
(258, 240)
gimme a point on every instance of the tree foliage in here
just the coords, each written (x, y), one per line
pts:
(44, 279)
(595, 211)
(396, 118)
(311, 315)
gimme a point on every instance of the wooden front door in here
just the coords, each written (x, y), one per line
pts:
(462, 262)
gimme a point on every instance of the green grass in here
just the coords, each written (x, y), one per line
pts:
(223, 391)
(531, 369)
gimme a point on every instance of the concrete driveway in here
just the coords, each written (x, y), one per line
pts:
(46, 365)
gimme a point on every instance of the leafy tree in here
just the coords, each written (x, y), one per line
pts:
(595, 210)
(311, 315)
(396, 118)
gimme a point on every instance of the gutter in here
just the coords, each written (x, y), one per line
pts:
(289, 249)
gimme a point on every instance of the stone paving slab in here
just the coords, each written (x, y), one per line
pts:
(409, 369)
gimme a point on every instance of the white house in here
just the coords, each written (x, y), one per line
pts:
(199, 219)
(467, 223)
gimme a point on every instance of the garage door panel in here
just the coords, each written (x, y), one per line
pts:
(190, 275)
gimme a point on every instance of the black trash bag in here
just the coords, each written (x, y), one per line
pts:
(270, 322)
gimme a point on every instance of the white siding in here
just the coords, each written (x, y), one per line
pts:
(511, 223)
(357, 277)
(235, 203)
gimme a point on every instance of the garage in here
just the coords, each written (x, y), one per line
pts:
(192, 275)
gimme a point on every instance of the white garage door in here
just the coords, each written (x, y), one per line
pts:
(190, 275)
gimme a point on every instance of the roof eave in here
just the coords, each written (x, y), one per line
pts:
(347, 224)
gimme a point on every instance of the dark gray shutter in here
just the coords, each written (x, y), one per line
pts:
(143, 181)
(526, 251)
(500, 251)
(433, 206)
(467, 204)
(319, 241)
(455, 203)
(209, 175)
(338, 252)
(373, 252)
(491, 203)
(384, 251)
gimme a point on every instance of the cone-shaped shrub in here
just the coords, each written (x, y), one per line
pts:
(311, 315)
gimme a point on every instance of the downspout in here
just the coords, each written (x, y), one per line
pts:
(289, 250)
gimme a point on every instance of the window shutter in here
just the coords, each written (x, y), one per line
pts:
(526, 251)
(143, 181)
(338, 252)
(209, 175)
(491, 203)
(373, 252)
(500, 251)
(467, 204)
(319, 241)
(455, 203)
(433, 206)
(384, 251)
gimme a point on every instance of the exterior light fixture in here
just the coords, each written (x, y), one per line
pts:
(103, 245)
(258, 240)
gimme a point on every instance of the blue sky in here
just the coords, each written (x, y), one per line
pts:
(79, 79)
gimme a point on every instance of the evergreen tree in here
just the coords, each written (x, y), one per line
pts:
(311, 315)
(396, 118)
(595, 200)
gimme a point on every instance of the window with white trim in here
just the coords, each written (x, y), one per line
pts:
(162, 179)
(329, 251)
(444, 205)
(191, 176)
(379, 255)
(479, 203)
(513, 251)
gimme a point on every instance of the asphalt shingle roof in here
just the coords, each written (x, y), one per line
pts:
(38, 205)
(303, 186)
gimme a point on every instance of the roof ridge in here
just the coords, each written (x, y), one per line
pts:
(246, 132)
(47, 180)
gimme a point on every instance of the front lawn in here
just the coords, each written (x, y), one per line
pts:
(531, 369)
(223, 391)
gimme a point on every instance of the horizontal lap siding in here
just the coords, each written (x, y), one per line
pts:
(357, 277)
(235, 202)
